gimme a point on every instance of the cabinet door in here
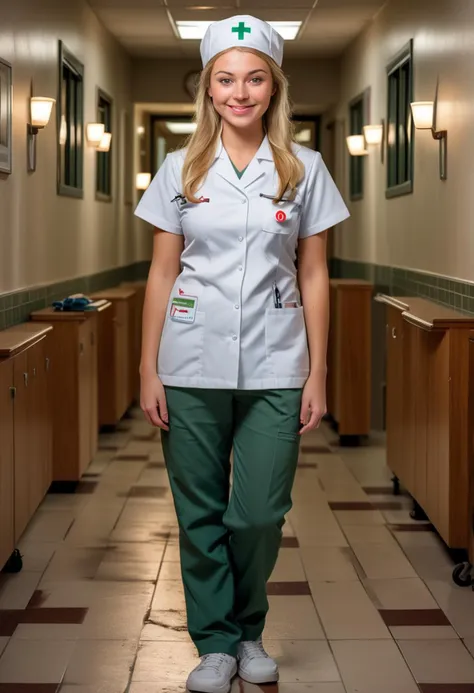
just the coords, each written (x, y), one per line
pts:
(122, 363)
(396, 452)
(46, 398)
(35, 426)
(94, 390)
(22, 433)
(7, 532)
(84, 386)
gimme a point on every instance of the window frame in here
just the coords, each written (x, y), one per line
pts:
(358, 161)
(67, 59)
(404, 56)
(105, 156)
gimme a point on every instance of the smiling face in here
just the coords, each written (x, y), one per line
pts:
(241, 87)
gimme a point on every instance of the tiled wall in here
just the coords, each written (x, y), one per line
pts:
(17, 306)
(404, 282)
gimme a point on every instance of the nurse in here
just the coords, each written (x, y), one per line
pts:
(235, 337)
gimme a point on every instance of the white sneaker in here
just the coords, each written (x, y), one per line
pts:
(255, 665)
(213, 675)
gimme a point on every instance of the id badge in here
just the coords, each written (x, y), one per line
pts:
(183, 308)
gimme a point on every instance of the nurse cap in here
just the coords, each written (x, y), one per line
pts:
(241, 31)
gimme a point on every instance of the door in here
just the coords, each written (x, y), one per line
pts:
(85, 397)
(35, 425)
(7, 530)
(396, 448)
(94, 389)
(122, 351)
(22, 448)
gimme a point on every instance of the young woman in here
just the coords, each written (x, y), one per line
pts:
(240, 335)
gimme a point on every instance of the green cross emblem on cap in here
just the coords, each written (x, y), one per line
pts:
(241, 30)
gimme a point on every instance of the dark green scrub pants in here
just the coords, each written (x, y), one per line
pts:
(230, 538)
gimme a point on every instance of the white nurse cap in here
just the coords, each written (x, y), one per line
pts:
(241, 31)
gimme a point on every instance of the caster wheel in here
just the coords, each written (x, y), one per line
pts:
(396, 486)
(462, 575)
(14, 563)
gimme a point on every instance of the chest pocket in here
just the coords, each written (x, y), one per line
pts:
(282, 218)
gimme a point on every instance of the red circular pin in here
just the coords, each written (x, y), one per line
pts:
(280, 216)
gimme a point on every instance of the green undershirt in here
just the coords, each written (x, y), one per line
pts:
(239, 173)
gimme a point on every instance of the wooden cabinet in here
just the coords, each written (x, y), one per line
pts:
(74, 388)
(25, 429)
(349, 357)
(116, 355)
(427, 409)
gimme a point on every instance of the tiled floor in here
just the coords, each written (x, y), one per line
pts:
(362, 599)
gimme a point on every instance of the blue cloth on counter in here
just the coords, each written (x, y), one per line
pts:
(78, 304)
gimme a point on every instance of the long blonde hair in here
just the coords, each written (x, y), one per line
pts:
(201, 146)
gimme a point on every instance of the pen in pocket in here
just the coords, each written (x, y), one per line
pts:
(276, 296)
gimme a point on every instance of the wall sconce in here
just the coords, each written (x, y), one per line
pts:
(424, 119)
(95, 132)
(143, 181)
(356, 145)
(104, 145)
(40, 114)
(375, 135)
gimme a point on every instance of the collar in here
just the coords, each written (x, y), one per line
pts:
(264, 152)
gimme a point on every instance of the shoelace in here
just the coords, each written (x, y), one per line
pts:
(213, 661)
(254, 649)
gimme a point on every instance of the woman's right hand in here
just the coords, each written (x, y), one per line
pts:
(153, 401)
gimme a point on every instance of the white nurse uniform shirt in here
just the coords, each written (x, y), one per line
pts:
(237, 244)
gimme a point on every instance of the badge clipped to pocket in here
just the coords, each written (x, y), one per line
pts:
(183, 308)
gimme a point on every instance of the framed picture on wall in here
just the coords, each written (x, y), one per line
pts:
(5, 117)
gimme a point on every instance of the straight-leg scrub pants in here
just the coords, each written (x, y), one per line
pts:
(230, 538)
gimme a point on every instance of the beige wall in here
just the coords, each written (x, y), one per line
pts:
(45, 237)
(431, 229)
(314, 84)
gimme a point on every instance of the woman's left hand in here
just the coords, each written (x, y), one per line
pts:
(313, 402)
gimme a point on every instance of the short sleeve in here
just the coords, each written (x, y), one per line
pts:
(323, 205)
(157, 205)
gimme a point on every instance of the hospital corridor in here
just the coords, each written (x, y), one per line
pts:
(236, 346)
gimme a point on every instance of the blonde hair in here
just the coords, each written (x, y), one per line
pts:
(203, 142)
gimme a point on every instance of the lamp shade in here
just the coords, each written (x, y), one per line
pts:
(373, 134)
(356, 145)
(41, 107)
(95, 132)
(423, 114)
(143, 181)
(104, 145)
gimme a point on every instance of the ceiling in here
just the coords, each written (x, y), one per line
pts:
(144, 27)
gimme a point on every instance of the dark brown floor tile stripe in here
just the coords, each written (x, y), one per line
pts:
(315, 449)
(365, 505)
(29, 687)
(446, 687)
(290, 543)
(148, 491)
(307, 465)
(140, 457)
(156, 465)
(288, 589)
(109, 447)
(414, 617)
(37, 600)
(11, 618)
(412, 527)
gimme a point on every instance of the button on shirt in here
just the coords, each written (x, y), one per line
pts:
(237, 339)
